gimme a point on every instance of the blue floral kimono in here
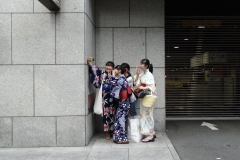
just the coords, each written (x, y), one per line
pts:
(120, 133)
(97, 78)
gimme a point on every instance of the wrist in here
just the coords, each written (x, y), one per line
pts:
(89, 64)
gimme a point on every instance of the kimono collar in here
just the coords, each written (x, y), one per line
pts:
(146, 71)
(122, 75)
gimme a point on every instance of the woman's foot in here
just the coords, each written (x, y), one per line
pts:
(148, 139)
(108, 136)
(154, 136)
(111, 134)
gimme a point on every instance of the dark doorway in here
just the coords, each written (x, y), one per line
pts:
(202, 59)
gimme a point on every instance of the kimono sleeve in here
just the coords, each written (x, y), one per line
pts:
(117, 85)
(130, 81)
(95, 77)
(150, 82)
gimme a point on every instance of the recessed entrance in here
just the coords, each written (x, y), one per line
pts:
(202, 60)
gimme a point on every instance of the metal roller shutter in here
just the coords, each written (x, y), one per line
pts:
(202, 67)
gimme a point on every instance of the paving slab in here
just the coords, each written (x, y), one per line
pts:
(5, 152)
(28, 154)
(150, 154)
(102, 143)
(69, 153)
(98, 148)
(108, 154)
(131, 145)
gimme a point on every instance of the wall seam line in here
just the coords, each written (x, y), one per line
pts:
(145, 42)
(56, 129)
(55, 38)
(34, 91)
(129, 13)
(90, 19)
(11, 41)
(12, 132)
(130, 27)
(113, 43)
(85, 95)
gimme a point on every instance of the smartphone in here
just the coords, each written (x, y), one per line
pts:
(91, 59)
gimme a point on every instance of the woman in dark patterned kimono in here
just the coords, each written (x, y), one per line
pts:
(97, 78)
(119, 91)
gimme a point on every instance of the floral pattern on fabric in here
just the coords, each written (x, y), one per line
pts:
(97, 78)
(120, 133)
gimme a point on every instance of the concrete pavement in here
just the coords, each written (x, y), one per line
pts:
(99, 149)
(195, 142)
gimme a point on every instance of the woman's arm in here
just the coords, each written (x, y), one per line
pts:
(137, 75)
(96, 74)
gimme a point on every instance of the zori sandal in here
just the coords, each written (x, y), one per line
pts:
(121, 142)
(148, 139)
(108, 136)
(154, 136)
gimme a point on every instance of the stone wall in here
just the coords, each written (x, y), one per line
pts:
(128, 31)
(43, 91)
(43, 84)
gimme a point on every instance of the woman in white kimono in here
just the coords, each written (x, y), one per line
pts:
(146, 81)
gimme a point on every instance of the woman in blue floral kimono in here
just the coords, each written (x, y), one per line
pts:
(97, 78)
(119, 92)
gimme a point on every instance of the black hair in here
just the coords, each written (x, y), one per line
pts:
(126, 65)
(117, 67)
(122, 68)
(147, 63)
(110, 63)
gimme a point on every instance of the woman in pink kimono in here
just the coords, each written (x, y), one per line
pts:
(146, 81)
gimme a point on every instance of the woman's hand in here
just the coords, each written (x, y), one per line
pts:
(135, 87)
(89, 61)
(110, 73)
(114, 72)
(141, 87)
(137, 71)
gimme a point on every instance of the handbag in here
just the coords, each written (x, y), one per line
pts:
(142, 93)
(134, 132)
(98, 109)
(149, 100)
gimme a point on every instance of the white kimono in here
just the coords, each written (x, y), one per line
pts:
(146, 113)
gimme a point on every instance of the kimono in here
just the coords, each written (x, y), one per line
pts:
(97, 78)
(146, 113)
(120, 132)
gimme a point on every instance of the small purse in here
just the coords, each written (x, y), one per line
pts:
(142, 93)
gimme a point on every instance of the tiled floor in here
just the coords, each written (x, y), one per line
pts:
(99, 149)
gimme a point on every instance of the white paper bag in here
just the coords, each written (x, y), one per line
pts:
(98, 108)
(134, 132)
